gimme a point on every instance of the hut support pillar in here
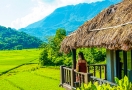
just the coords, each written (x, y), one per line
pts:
(118, 65)
(130, 72)
(74, 58)
(125, 62)
(110, 64)
(73, 76)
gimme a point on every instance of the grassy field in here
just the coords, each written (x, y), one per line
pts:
(24, 73)
(28, 76)
(31, 77)
(12, 58)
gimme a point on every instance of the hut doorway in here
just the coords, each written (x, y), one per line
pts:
(123, 63)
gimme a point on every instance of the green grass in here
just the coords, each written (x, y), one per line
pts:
(31, 77)
(4, 85)
(28, 76)
(12, 58)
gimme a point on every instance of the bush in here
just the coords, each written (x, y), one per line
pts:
(18, 47)
(98, 55)
(43, 59)
(68, 61)
(122, 84)
(58, 61)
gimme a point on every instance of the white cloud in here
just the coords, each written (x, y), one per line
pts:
(8, 5)
(44, 8)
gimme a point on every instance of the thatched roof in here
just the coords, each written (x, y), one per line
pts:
(111, 29)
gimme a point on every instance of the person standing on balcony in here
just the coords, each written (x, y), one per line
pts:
(81, 65)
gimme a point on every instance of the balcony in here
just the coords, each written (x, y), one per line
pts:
(71, 79)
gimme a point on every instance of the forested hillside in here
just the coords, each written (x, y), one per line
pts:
(12, 39)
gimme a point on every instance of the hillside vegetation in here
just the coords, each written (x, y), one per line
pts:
(12, 39)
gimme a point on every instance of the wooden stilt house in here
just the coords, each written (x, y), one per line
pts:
(110, 29)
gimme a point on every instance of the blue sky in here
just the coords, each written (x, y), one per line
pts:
(20, 13)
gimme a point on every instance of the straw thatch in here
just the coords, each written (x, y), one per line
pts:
(111, 29)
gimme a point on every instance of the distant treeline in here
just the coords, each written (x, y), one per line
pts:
(12, 39)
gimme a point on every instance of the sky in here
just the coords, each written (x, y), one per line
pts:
(20, 13)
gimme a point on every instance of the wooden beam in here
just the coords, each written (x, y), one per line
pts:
(118, 65)
(61, 75)
(125, 62)
(74, 58)
(73, 79)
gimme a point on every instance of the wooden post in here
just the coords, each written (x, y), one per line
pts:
(74, 58)
(73, 76)
(118, 66)
(100, 71)
(105, 76)
(110, 65)
(73, 79)
(94, 70)
(66, 76)
(125, 62)
(90, 79)
(61, 75)
(87, 77)
(88, 69)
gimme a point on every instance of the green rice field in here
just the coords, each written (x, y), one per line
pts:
(29, 75)
(12, 58)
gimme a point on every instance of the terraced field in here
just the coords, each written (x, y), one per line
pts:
(23, 73)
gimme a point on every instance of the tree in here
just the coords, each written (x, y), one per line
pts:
(43, 59)
(98, 55)
(59, 36)
(51, 49)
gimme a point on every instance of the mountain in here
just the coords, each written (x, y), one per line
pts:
(12, 39)
(68, 17)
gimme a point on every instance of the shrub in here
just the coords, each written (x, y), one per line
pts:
(98, 55)
(58, 61)
(122, 84)
(68, 61)
(43, 59)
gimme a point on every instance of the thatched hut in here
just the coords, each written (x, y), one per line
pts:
(110, 29)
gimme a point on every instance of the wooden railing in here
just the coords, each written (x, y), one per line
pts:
(82, 78)
(68, 78)
(101, 81)
(98, 70)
